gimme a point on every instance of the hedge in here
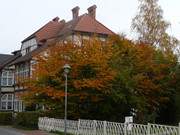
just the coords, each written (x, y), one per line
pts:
(6, 118)
(28, 120)
(25, 120)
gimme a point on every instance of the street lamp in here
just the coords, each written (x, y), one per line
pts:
(66, 71)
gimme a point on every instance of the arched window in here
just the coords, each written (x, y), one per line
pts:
(7, 102)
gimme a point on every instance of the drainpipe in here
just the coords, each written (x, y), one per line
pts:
(14, 90)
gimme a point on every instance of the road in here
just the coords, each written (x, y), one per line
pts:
(9, 131)
(5, 130)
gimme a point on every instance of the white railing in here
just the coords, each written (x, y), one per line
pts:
(164, 130)
(94, 127)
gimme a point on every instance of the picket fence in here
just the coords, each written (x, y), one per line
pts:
(94, 127)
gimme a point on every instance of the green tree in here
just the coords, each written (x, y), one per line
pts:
(176, 96)
(144, 78)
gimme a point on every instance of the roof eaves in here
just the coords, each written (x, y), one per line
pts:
(9, 60)
(28, 38)
(113, 33)
(34, 34)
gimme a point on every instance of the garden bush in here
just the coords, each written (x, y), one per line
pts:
(27, 120)
(6, 118)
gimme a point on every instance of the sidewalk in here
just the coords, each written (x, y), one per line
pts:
(35, 132)
(14, 131)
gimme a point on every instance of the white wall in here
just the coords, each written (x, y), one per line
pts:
(31, 44)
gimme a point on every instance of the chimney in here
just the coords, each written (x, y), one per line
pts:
(63, 21)
(75, 12)
(56, 19)
(92, 11)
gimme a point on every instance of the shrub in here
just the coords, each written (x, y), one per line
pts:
(53, 114)
(6, 118)
(28, 120)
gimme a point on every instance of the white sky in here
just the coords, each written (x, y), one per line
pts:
(20, 18)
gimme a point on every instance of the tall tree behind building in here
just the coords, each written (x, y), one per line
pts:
(152, 27)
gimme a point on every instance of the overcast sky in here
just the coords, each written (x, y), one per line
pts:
(20, 18)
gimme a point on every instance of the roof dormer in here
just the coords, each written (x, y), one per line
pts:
(28, 46)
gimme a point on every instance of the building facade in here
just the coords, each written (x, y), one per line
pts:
(7, 90)
(79, 28)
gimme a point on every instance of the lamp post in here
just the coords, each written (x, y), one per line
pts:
(66, 71)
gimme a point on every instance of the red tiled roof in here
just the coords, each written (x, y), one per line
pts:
(88, 24)
(85, 23)
(50, 30)
(56, 28)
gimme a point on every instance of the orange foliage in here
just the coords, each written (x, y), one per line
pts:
(89, 70)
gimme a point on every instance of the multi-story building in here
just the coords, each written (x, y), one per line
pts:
(7, 81)
(79, 28)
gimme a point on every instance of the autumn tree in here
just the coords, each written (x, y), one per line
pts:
(145, 78)
(88, 80)
(111, 78)
(151, 27)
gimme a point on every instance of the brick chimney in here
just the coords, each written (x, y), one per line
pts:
(92, 11)
(75, 12)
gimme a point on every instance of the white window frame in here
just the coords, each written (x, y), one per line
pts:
(6, 99)
(28, 46)
(6, 76)
(18, 105)
(22, 72)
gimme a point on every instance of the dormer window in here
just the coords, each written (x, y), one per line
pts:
(28, 46)
(28, 49)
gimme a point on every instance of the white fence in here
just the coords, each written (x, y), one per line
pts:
(93, 127)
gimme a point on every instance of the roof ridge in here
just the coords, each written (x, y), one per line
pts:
(38, 30)
(72, 23)
(78, 20)
(104, 26)
(6, 54)
(9, 60)
(96, 24)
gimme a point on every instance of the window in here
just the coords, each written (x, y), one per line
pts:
(18, 105)
(7, 102)
(28, 49)
(22, 72)
(77, 40)
(7, 78)
(28, 46)
(32, 64)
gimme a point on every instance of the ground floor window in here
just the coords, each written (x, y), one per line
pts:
(18, 105)
(7, 102)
